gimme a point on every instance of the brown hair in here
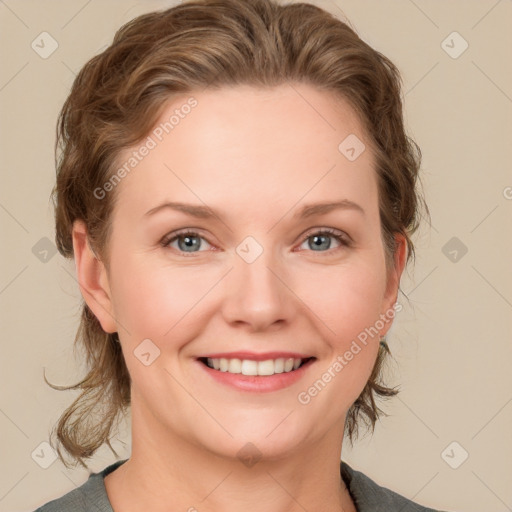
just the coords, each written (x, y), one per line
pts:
(117, 97)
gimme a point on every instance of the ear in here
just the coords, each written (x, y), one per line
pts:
(393, 279)
(92, 278)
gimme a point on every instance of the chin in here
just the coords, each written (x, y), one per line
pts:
(258, 435)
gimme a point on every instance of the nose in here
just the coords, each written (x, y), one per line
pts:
(257, 295)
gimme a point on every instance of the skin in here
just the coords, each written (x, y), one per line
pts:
(256, 156)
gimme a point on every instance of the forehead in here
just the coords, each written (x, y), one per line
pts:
(249, 148)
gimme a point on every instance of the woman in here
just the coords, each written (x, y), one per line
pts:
(238, 193)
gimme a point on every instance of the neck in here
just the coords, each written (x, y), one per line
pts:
(166, 469)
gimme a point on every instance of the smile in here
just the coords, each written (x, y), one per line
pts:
(250, 367)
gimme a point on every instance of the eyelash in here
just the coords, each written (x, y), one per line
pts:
(341, 237)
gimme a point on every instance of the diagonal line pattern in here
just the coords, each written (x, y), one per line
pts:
(503, 407)
(493, 287)
(13, 77)
(311, 106)
(286, 491)
(76, 14)
(508, 508)
(412, 498)
(417, 416)
(15, 424)
(422, 78)
(486, 14)
(13, 279)
(17, 483)
(484, 218)
(3, 3)
(216, 487)
(14, 218)
(491, 80)
(293, 410)
(431, 272)
(424, 14)
(68, 68)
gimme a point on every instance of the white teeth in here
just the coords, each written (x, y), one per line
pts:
(288, 365)
(214, 363)
(235, 366)
(250, 367)
(279, 365)
(266, 367)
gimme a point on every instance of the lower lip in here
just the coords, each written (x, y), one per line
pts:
(257, 383)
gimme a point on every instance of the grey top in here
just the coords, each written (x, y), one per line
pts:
(366, 494)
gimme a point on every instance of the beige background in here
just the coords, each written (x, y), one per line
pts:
(452, 342)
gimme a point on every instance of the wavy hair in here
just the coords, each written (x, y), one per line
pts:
(119, 94)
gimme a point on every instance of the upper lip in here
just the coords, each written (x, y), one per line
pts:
(263, 356)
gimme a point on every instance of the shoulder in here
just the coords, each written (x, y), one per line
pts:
(368, 496)
(90, 496)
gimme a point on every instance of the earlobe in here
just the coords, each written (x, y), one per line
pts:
(92, 278)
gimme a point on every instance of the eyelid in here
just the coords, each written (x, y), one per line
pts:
(170, 237)
(326, 230)
(343, 238)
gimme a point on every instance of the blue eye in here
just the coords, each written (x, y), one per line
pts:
(322, 240)
(189, 242)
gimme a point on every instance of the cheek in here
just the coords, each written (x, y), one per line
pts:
(346, 298)
(150, 300)
(348, 303)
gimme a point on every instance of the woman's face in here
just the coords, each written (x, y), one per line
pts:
(264, 277)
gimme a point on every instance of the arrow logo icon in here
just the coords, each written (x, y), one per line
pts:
(454, 249)
(249, 249)
(351, 147)
(44, 45)
(146, 352)
(454, 45)
(44, 249)
(249, 454)
(454, 455)
(44, 455)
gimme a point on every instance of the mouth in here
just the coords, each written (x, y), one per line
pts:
(251, 367)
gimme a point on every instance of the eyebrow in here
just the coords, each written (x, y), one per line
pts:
(204, 212)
